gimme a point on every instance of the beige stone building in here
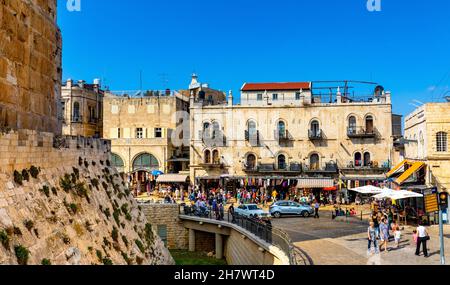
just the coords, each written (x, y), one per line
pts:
(140, 128)
(286, 131)
(427, 150)
(82, 106)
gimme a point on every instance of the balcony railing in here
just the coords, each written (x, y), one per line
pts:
(315, 134)
(329, 167)
(271, 167)
(282, 136)
(253, 139)
(360, 132)
(209, 139)
(359, 164)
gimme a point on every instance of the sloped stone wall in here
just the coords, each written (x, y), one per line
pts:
(76, 210)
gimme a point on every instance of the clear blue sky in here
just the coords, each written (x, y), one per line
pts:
(405, 47)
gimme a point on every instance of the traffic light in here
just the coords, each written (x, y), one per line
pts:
(443, 200)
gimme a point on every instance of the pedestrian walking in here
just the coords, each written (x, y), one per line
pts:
(384, 234)
(372, 238)
(231, 212)
(397, 236)
(316, 209)
(422, 238)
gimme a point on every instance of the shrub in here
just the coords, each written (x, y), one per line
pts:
(46, 262)
(126, 258)
(76, 171)
(116, 215)
(115, 234)
(73, 208)
(140, 245)
(120, 196)
(99, 255)
(127, 191)
(66, 183)
(45, 190)
(25, 175)
(17, 231)
(4, 239)
(22, 254)
(107, 261)
(149, 233)
(74, 178)
(106, 242)
(128, 217)
(81, 190)
(54, 191)
(34, 171)
(125, 241)
(28, 224)
(18, 178)
(124, 209)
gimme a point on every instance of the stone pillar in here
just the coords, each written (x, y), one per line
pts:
(191, 240)
(219, 246)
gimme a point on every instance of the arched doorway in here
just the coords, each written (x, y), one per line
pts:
(369, 125)
(251, 161)
(314, 162)
(282, 162)
(143, 165)
(367, 159)
(358, 159)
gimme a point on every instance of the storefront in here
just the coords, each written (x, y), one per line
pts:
(319, 187)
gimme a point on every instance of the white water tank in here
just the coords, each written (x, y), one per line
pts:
(97, 81)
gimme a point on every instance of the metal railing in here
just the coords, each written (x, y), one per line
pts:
(261, 229)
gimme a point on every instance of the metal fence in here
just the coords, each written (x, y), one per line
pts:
(262, 229)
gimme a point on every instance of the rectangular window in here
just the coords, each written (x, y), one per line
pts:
(275, 97)
(297, 96)
(162, 233)
(158, 133)
(259, 97)
(139, 133)
(118, 133)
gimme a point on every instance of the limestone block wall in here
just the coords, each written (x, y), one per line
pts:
(76, 210)
(168, 215)
(30, 65)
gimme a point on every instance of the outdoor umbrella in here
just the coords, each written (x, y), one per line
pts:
(403, 194)
(157, 172)
(386, 193)
(369, 189)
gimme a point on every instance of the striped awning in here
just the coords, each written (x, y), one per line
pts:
(315, 183)
(172, 178)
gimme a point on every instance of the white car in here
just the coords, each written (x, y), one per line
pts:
(251, 210)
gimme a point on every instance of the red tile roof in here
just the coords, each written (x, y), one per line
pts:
(276, 86)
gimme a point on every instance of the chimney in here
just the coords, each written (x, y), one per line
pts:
(339, 96)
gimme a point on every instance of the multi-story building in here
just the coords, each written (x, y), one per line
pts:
(82, 106)
(427, 150)
(286, 134)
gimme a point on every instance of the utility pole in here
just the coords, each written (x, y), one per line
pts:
(443, 205)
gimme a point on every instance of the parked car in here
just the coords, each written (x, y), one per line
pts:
(287, 208)
(250, 211)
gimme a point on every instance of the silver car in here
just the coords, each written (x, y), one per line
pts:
(288, 208)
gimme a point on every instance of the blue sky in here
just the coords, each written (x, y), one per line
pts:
(405, 47)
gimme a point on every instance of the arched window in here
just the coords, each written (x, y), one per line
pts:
(358, 159)
(251, 128)
(369, 125)
(206, 130)
(146, 162)
(314, 162)
(76, 112)
(281, 129)
(315, 128)
(352, 125)
(251, 161)
(215, 130)
(207, 157)
(282, 162)
(367, 159)
(116, 161)
(441, 142)
(216, 157)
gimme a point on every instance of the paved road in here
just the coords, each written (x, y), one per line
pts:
(328, 242)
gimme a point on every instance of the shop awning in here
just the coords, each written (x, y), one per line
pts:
(315, 183)
(398, 169)
(172, 178)
(363, 178)
(408, 173)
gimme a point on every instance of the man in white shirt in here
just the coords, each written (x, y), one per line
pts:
(422, 238)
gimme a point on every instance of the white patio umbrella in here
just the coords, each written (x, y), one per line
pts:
(403, 194)
(386, 193)
(369, 189)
